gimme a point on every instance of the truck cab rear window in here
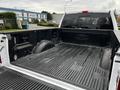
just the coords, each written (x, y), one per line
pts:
(87, 21)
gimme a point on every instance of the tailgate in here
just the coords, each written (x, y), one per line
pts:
(12, 80)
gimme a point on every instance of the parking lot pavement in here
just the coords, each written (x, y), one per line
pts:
(39, 27)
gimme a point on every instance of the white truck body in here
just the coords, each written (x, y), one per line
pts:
(5, 59)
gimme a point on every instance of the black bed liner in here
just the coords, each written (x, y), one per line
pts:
(12, 80)
(78, 65)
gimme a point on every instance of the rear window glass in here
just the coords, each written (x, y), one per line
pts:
(87, 21)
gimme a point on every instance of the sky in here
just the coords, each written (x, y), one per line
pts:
(61, 6)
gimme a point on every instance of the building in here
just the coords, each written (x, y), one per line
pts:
(24, 14)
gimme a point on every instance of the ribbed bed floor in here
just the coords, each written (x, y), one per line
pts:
(11, 80)
(78, 65)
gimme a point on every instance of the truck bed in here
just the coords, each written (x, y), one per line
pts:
(12, 80)
(76, 64)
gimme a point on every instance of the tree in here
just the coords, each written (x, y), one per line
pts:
(8, 15)
(49, 16)
(9, 19)
(54, 13)
(118, 19)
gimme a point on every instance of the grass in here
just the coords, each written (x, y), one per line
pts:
(47, 24)
(11, 30)
(119, 28)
